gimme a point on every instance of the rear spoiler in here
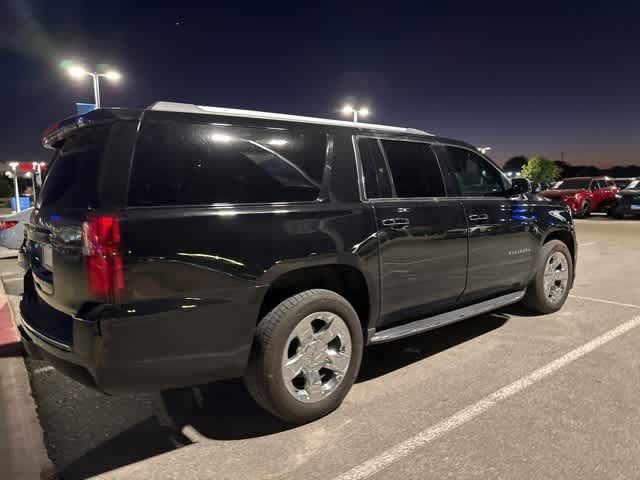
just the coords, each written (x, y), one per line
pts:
(55, 133)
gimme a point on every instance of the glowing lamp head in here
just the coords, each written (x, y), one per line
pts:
(76, 71)
(347, 109)
(363, 112)
(113, 75)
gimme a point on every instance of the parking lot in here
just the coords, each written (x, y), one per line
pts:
(503, 395)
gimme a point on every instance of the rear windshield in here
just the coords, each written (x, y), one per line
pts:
(72, 180)
(192, 163)
(572, 184)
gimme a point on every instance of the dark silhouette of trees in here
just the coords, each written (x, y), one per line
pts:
(515, 164)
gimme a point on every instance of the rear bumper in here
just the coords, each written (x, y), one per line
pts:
(130, 354)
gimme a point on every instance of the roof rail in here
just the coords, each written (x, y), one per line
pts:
(234, 112)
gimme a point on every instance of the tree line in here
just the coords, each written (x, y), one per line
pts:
(542, 169)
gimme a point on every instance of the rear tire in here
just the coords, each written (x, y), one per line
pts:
(617, 212)
(316, 333)
(549, 289)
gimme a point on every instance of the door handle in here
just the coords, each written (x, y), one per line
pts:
(395, 222)
(474, 217)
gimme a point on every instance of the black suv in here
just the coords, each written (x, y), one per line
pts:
(183, 244)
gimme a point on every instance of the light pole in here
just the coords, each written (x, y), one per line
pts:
(33, 184)
(14, 166)
(78, 72)
(349, 110)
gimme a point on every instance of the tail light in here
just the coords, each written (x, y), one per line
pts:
(7, 224)
(103, 256)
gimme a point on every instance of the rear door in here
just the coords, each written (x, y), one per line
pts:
(502, 239)
(421, 232)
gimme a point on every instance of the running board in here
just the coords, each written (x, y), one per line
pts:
(430, 323)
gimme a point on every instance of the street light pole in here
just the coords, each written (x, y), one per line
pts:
(13, 166)
(96, 88)
(79, 72)
(349, 110)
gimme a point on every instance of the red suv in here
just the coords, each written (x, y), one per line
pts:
(584, 195)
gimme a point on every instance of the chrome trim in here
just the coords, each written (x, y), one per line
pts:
(44, 338)
(453, 316)
(235, 112)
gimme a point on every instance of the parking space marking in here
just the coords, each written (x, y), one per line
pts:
(586, 244)
(609, 302)
(40, 370)
(385, 459)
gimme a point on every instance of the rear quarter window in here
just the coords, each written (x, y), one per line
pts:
(197, 163)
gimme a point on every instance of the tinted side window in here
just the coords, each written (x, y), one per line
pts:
(191, 163)
(376, 174)
(414, 169)
(475, 176)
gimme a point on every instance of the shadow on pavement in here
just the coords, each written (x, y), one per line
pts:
(381, 359)
(225, 411)
(143, 440)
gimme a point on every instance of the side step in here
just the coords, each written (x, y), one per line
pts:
(453, 316)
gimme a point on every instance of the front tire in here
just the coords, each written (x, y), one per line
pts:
(306, 355)
(549, 289)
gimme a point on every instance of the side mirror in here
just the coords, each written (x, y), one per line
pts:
(520, 186)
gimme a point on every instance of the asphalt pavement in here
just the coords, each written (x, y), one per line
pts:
(503, 395)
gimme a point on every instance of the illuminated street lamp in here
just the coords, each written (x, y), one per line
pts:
(79, 72)
(14, 166)
(349, 110)
(484, 150)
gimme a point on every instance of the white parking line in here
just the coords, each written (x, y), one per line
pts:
(586, 244)
(40, 370)
(401, 450)
(609, 302)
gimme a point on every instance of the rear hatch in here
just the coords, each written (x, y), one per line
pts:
(84, 190)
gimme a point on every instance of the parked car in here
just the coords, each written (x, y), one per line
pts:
(627, 201)
(302, 240)
(12, 228)
(584, 195)
(623, 182)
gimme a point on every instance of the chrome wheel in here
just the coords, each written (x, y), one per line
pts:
(316, 357)
(556, 277)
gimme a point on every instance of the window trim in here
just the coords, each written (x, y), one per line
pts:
(360, 170)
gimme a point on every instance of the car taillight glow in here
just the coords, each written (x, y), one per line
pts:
(7, 224)
(103, 258)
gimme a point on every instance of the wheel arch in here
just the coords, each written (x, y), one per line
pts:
(345, 279)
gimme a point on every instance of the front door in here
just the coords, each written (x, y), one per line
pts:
(502, 241)
(422, 235)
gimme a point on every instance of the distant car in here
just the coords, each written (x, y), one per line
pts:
(623, 182)
(627, 200)
(12, 228)
(584, 195)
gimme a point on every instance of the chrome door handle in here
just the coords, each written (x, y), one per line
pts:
(474, 217)
(395, 222)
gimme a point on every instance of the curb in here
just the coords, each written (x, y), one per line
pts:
(22, 451)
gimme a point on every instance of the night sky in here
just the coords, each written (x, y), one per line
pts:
(525, 78)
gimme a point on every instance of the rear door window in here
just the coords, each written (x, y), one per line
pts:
(414, 169)
(376, 172)
(194, 163)
(73, 176)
